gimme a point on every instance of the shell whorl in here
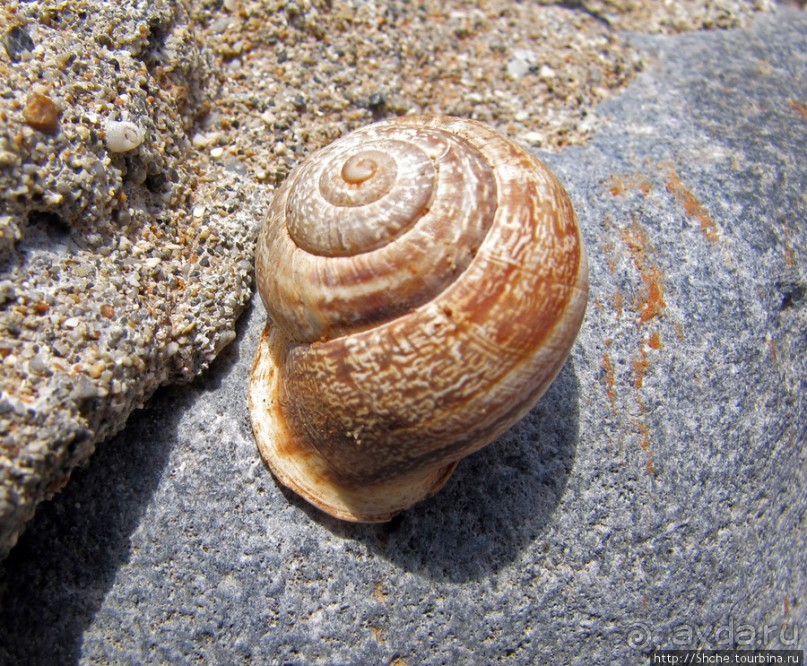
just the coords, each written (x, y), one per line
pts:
(425, 279)
(373, 226)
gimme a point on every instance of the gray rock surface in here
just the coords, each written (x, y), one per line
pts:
(654, 497)
(111, 282)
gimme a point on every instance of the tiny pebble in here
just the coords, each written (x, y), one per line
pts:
(96, 369)
(205, 139)
(41, 113)
(83, 389)
(220, 25)
(534, 138)
(17, 41)
(546, 72)
(521, 63)
(37, 364)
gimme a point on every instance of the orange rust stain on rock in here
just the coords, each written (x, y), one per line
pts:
(619, 303)
(790, 256)
(610, 379)
(798, 106)
(788, 250)
(649, 301)
(644, 442)
(618, 185)
(692, 206)
(772, 346)
(379, 594)
(640, 365)
(652, 305)
(608, 250)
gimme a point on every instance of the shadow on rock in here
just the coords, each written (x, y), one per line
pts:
(56, 577)
(498, 500)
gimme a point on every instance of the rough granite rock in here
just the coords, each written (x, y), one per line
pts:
(654, 498)
(110, 284)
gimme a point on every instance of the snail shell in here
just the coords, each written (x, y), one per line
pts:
(425, 279)
(123, 136)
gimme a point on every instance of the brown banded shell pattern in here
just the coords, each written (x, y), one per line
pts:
(428, 279)
(371, 227)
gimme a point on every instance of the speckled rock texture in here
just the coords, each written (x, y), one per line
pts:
(654, 498)
(111, 284)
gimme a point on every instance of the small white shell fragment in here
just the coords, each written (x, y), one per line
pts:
(546, 72)
(205, 139)
(123, 135)
(521, 63)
